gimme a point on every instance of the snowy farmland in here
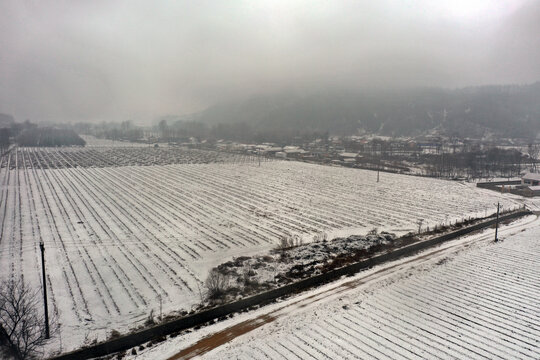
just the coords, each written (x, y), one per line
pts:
(120, 238)
(478, 302)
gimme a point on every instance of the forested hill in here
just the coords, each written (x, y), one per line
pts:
(510, 111)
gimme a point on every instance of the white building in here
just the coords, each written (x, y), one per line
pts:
(530, 179)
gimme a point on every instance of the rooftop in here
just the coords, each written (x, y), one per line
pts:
(531, 176)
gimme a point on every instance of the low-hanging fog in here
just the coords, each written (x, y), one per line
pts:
(117, 60)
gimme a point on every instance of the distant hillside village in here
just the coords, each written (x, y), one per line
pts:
(433, 155)
(428, 156)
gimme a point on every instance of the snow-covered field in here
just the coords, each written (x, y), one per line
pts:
(76, 157)
(119, 239)
(469, 299)
(483, 303)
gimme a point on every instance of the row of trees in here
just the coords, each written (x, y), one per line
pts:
(5, 140)
(493, 162)
(182, 131)
(49, 136)
(9, 131)
(124, 130)
(29, 134)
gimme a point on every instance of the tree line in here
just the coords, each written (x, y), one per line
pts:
(49, 136)
(236, 131)
(30, 134)
(185, 131)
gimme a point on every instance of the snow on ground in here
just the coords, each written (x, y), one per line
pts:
(481, 304)
(118, 239)
(253, 274)
(93, 157)
(470, 299)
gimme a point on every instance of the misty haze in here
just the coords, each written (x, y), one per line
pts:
(270, 179)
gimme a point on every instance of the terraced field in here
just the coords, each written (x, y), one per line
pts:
(120, 239)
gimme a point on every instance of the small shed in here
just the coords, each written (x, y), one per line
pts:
(533, 190)
(349, 155)
(294, 153)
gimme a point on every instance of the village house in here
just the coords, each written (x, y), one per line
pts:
(532, 190)
(530, 183)
(530, 179)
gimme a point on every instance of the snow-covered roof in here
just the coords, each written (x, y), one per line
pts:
(348, 154)
(534, 188)
(531, 176)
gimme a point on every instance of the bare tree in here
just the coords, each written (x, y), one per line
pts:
(4, 140)
(288, 242)
(163, 129)
(533, 150)
(217, 284)
(420, 222)
(22, 325)
(320, 236)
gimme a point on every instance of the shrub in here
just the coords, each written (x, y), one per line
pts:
(322, 236)
(150, 319)
(114, 334)
(217, 284)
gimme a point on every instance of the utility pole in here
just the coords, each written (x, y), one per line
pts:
(442, 162)
(497, 223)
(378, 169)
(47, 333)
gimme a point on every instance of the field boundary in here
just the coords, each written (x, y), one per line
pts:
(134, 339)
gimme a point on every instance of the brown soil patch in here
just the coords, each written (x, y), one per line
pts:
(211, 342)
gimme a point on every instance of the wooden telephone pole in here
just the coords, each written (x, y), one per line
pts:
(378, 168)
(497, 223)
(47, 333)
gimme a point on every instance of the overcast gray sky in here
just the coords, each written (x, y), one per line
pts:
(117, 60)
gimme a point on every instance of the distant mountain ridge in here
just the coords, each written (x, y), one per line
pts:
(504, 111)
